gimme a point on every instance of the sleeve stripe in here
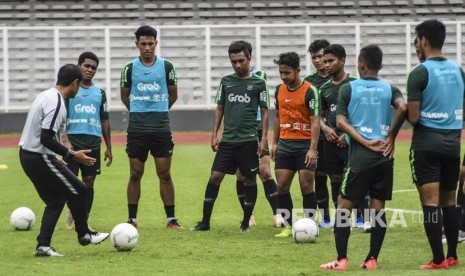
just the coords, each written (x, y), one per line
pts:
(317, 100)
(57, 110)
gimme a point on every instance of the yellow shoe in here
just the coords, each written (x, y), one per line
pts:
(287, 232)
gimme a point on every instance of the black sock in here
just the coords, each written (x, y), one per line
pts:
(432, 221)
(335, 189)
(132, 209)
(90, 199)
(451, 229)
(249, 202)
(211, 193)
(240, 190)
(271, 193)
(322, 195)
(169, 210)
(285, 207)
(378, 231)
(342, 232)
(461, 203)
(309, 204)
(366, 209)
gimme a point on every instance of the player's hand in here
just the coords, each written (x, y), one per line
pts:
(262, 147)
(215, 144)
(274, 148)
(311, 158)
(108, 156)
(376, 145)
(389, 147)
(342, 142)
(81, 157)
(330, 134)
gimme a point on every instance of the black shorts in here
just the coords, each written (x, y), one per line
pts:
(429, 166)
(321, 163)
(160, 144)
(376, 181)
(292, 161)
(267, 149)
(231, 156)
(93, 170)
(336, 158)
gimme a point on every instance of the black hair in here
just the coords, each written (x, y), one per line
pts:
(145, 31)
(372, 56)
(240, 46)
(290, 59)
(317, 45)
(337, 50)
(415, 41)
(67, 74)
(87, 55)
(434, 31)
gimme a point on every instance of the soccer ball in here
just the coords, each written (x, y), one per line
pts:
(305, 230)
(22, 219)
(124, 237)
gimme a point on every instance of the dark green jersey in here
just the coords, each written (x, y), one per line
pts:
(426, 138)
(317, 80)
(329, 92)
(361, 158)
(240, 99)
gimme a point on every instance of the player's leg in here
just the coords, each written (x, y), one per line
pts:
(309, 202)
(88, 177)
(461, 203)
(269, 187)
(447, 200)
(73, 166)
(240, 188)
(285, 205)
(321, 187)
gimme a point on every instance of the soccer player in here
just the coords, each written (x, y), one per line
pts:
(148, 90)
(264, 171)
(87, 121)
(238, 98)
(335, 146)
(54, 182)
(364, 113)
(435, 90)
(418, 53)
(295, 139)
(317, 79)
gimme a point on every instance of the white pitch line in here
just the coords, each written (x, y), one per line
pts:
(404, 191)
(404, 211)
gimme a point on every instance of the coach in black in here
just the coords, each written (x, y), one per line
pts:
(54, 182)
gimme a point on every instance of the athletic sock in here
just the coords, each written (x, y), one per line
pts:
(211, 193)
(451, 229)
(249, 202)
(271, 193)
(461, 203)
(132, 210)
(90, 199)
(169, 210)
(322, 195)
(309, 203)
(432, 221)
(378, 231)
(342, 232)
(240, 190)
(335, 189)
(285, 207)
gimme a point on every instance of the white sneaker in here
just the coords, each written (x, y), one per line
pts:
(252, 221)
(47, 251)
(69, 220)
(366, 227)
(278, 221)
(93, 238)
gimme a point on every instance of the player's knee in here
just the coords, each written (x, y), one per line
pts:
(165, 177)
(250, 180)
(89, 181)
(136, 175)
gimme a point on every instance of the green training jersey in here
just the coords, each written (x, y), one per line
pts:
(361, 158)
(317, 80)
(240, 99)
(329, 92)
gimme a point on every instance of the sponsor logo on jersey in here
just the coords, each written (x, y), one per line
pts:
(238, 98)
(249, 86)
(435, 115)
(332, 108)
(148, 86)
(311, 104)
(79, 108)
(366, 129)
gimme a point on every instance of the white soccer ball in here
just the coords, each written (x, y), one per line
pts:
(305, 230)
(124, 237)
(22, 218)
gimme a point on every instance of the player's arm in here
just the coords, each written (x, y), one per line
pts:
(416, 83)
(276, 127)
(172, 82)
(106, 130)
(219, 113)
(264, 101)
(312, 100)
(125, 84)
(399, 117)
(343, 124)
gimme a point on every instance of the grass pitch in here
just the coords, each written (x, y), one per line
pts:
(222, 251)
